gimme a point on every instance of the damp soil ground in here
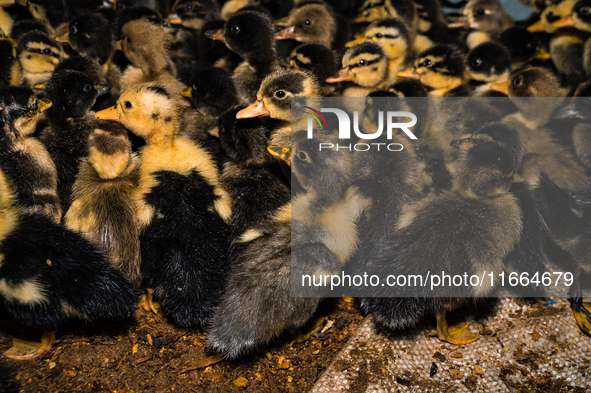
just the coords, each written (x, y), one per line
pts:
(148, 354)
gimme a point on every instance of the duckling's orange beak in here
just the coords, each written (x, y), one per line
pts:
(517, 178)
(255, 109)
(286, 34)
(214, 131)
(186, 92)
(355, 42)
(502, 87)
(108, 114)
(174, 19)
(462, 21)
(410, 74)
(564, 22)
(281, 152)
(216, 35)
(62, 38)
(40, 86)
(537, 27)
(542, 54)
(119, 45)
(342, 76)
(44, 105)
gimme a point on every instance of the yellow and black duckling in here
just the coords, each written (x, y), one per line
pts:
(10, 14)
(580, 19)
(146, 46)
(486, 19)
(487, 63)
(11, 72)
(314, 21)
(482, 178)
(523, 46)
(52, 12)
(373, 10)
(70, 123)
(317, 59)
(394, 38)
(23, 159)
(184, 262)
(366, 65)
(250, 35)
(91, 35)
(38, 54)
(554, 11)
(50, 274)
(102, 207)
(442, 70)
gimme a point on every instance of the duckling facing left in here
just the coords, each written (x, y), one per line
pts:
(184, 262)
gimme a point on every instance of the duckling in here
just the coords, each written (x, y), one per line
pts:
(192, 14)
(11, 73)
(522, 45)
(52, 12)
(38, 54)
(274, 100)
(146, 45)
(314, 21)
(486, 18)
(276, 8)
(405, 10)
(316, 59)
(24, 26)
(91, 35)
(486, 64)
(72, 94)
(250, 34)
(482, 178)
(441, 69)
(553, 12)
(580, 19)
(394, 38)
(65, 276)
(11, 14)
(365, 65)
(184, 263)
(24, 160)
(102, 207)
(432, 21)
(8, 382)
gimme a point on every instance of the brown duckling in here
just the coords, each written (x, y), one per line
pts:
(192, 14)
(486, 19)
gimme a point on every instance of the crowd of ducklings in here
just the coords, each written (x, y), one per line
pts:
(147, 156)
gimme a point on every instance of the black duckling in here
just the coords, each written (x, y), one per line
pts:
(184, 262)
(50, 274)
(487, 63)
(317, 59)
(91, 35)
(250, 35)
(70, 123)
(315, 21)
(192, 14)
(102, 207)
(23, 159)
(523, 46)
(38, 54)
(366, 65)
(481, 180)
(8, 383)
(11, 72)
(442, 70)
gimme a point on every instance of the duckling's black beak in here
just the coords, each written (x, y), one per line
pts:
(286, 34)
(568, 112)
(281, 152)
(174, 19)
(542, 54)
(502, 87)
(462, 144)
(186, 92)
(44, 105)
(255, 109)
(108, 114)
(355, 42)
(62, 38)
(563, 22)
(342, 76)
(537, 27)
(462, 21)
(216, 35)
(411, 73)
(102, 89)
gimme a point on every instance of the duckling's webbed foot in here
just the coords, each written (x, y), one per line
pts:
(458, 335)
(582, 312)
(26, 350)
(147, 301)
(315, 327)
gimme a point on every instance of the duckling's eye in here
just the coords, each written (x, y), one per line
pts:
(194, 87)
(73, 30)
(128, 104)
(371, 5)
(426, 63)
(379, 35)
(518, 81)
(188, 7)
(362, 62)
(234, 29)
(280, 94)
(480, 11)
(87, 88)
(46, 51)
(302, 155)
(120, 6)
(123, 38)
(585, 10)
(531, 45)
(476, 62)
(308, 22)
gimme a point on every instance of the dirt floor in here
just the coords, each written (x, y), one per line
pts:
(148, 354)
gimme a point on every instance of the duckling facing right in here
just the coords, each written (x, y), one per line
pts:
(38, 54)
